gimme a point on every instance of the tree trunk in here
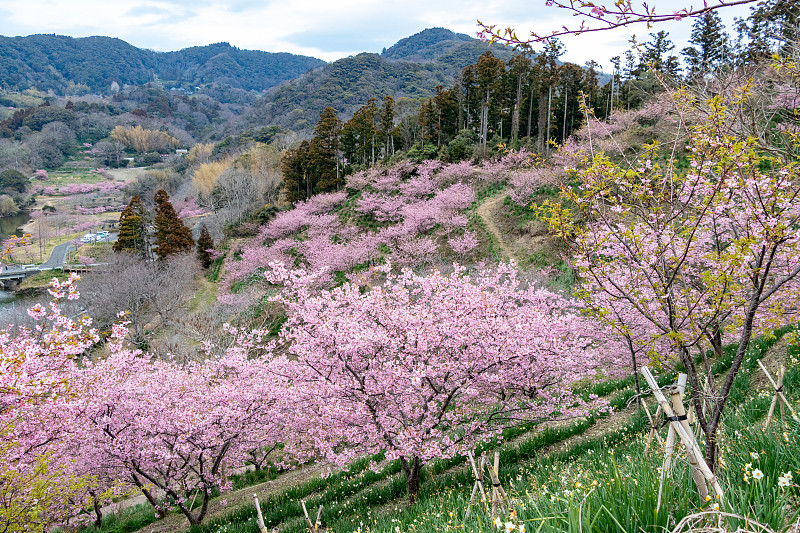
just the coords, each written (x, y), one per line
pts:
(530, 112)
(540, 134)
(98, 513)
(150, 498)
(549, 114)
(485, 121)
(412, 471)
(515, 113)
(564, 127)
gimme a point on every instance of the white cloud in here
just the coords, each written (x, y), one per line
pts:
(325, 29)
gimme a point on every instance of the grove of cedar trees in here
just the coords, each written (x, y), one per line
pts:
(531, 100)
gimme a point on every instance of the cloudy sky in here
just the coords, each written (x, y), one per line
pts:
(328, 29)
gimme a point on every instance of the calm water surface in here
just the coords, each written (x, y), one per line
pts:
(8, 300)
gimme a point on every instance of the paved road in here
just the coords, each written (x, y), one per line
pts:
(57, 256)
(56, 259)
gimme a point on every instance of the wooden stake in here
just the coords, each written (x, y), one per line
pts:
(778, 387)
(680, 413)
(478, 473)
(312, 528)
(687, 438)
(259, 518)
(653, 427)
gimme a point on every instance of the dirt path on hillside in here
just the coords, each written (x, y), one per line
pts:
(487, 211)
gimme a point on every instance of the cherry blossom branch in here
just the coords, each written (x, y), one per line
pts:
(621, 14)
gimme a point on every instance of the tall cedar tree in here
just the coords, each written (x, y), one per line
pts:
(325, 151)
(172, 236)
(710, 48)
(297, 183)
(204, 244)
(132, 231)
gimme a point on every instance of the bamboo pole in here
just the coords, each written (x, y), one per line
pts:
(310, 525)
(686, 437)
(495, 484)
(672, 437)
(478, 473)
(680, 413)
(653, 427)
(318, 522)
(259, 517)
(669, 448)
(778, 387)
(498, 493)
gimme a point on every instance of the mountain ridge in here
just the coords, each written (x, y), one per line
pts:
(62, 64)
(411, 68)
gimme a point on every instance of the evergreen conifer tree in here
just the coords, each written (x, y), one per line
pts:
(710, 45)
(172, 236)
(324, 151)
(132, 235)
(204, 244)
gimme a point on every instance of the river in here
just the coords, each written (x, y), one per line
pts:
(10, 226)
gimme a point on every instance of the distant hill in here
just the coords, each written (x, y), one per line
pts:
(427, 45)
(412, 67)
(60, 63)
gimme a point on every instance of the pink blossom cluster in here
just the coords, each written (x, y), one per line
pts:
(419, 366)
(81, 188)
(418, 210)
(524, 184)
(99, 210)
(131, 420)
(188, 207)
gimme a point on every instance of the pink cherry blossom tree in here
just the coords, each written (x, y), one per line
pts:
(35, 364)
(428, 366)
(691, 259)
(175, 428)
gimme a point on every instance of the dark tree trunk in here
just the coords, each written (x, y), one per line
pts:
(412, 471)
(98, 514)
(148, 495)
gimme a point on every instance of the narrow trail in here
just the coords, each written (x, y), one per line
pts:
(488, 213)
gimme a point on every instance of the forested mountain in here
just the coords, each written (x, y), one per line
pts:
(429, 44)
(70, 65)
(412, 68)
